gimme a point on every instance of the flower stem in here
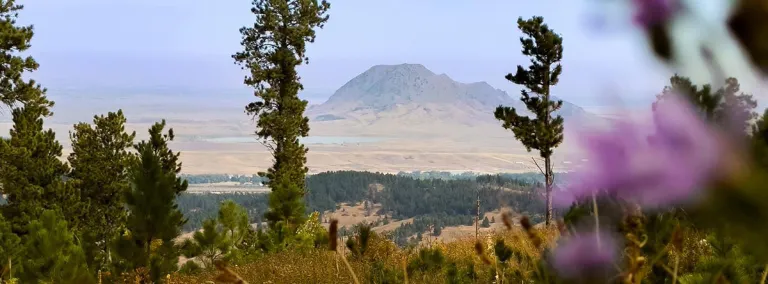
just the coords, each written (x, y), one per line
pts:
(597, 219)
(765, 275)
(677, 264)
(351, 272)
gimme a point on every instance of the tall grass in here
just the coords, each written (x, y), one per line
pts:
(385, 262)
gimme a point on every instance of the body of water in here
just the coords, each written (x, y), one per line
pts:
(306, 140)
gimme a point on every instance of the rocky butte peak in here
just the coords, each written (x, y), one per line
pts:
(411, 91)
(385, 86)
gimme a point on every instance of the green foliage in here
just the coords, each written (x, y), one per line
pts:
(382, 274)
(429, 259)
(10, 250)
(542, 132)
(358, 244)
(100, 161)
(760, 141)
(485, 223)
(154, 220)
(31, 173)
(311, 234)
(727, 106)
(14, 90)
(222, 238)
(456, 274)
(190, 268)
(51, 254)
(433, 203)
(725, 263)
(234, 221)
(502, 251)
(210, 244)
(702, 97)
(200, 207)
(273, 47)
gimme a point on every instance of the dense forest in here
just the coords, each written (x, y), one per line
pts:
(401, 197)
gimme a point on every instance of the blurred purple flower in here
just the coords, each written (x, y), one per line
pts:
(585, 254)
(664, 168)
(653, 12)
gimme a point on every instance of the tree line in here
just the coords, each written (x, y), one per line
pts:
(401, 196)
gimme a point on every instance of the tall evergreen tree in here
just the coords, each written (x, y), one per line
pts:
(100, 161)
(29, 169)
(737, 108)
(234, 220)
(543, 132)
(31, 174)
(272, 50)
(727, 106)
(16, 39)
(154, 220)
(702, 97)
(10, 251)
(760, 140)
(51, 253)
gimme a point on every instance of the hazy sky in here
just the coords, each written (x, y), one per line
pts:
(186, 45)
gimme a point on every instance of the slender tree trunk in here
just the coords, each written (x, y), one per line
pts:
(548, 159)
(477, 217)
(548, 182)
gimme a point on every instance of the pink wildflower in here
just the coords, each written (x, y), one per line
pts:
(654, 12)
(664, 169)
(585, 254)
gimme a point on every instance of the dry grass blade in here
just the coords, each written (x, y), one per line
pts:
(677, 239)
(405, 271)
(481, 253)
(227, 275)
(351, 272)
(507, 220)
(526, 223)
(333, 230)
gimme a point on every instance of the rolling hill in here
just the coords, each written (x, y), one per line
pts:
(412, 96)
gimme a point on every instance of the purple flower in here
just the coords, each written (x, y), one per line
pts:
(653, 12)
(653, 165)
(586, 254)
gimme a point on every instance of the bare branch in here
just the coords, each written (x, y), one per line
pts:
(537, 165)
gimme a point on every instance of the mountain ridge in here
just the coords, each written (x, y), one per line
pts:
(412, 94)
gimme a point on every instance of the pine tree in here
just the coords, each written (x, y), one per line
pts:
(14, 89)
(542, 132)
(760, 140)
(209, 245)
(702, 97)
(221, 237)
(234, 221)
(31, 174)
(51, 253)
(486, 223)
(737, 108)
(10, 251)
(726, 106)
(154, 220)
(272, 50)
(100, 162)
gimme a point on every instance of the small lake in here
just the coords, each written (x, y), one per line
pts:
(305, 140)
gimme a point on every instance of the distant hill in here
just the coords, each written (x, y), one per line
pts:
(411, 94)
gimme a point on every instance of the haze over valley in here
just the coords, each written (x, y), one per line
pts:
(390, 118)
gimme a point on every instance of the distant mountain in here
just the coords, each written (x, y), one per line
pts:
(412, 94)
